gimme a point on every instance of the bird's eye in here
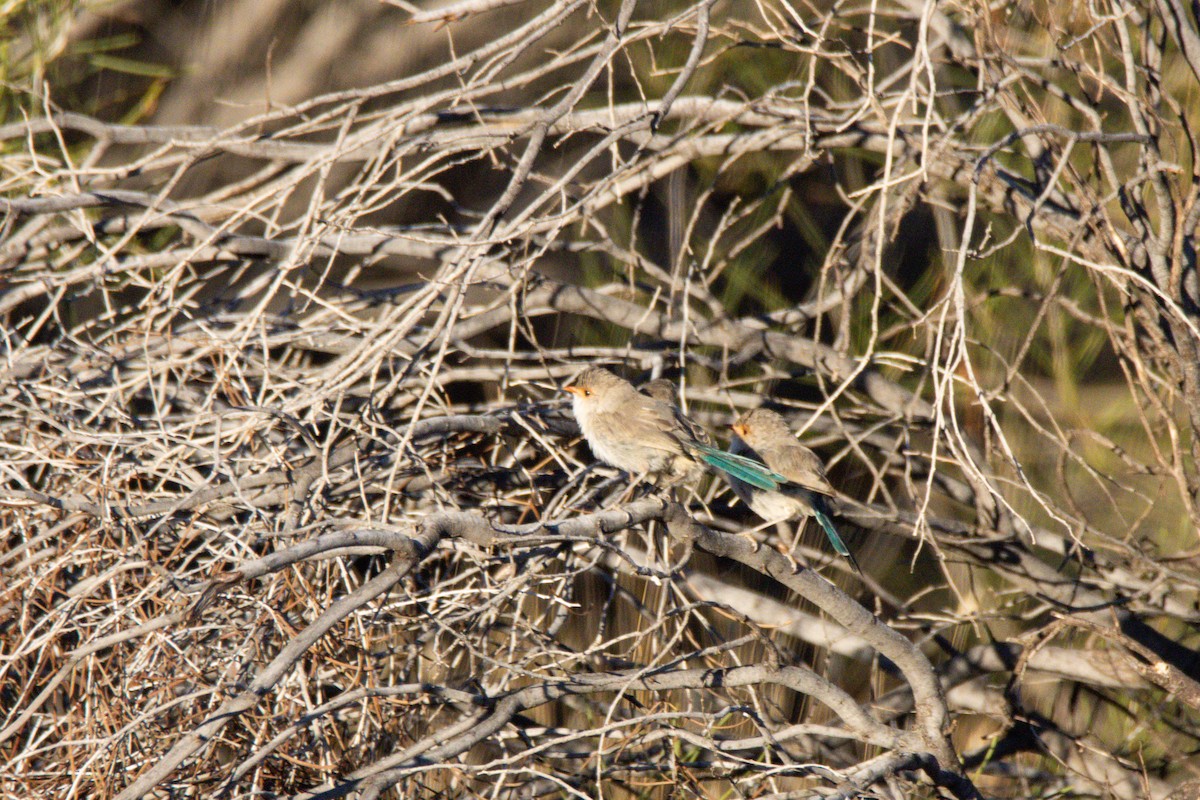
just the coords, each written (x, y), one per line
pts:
(587, 392)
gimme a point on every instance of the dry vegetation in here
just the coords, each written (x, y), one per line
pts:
(291, 505)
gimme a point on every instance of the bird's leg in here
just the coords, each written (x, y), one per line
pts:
(649, 484)
(789, 553)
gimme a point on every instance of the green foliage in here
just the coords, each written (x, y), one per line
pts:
(44, 56)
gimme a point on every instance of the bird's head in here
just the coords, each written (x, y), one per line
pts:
(761, 427)
(661, 389)
(597, 388)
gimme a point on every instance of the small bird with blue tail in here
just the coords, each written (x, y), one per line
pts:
(763, 435)
(651, 438)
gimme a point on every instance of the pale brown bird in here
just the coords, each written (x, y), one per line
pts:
(764, 435)
(660, 389)
(664, 391)
(648, 437)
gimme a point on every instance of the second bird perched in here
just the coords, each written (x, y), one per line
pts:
(763, 434)
(649, 437)
(664, 391)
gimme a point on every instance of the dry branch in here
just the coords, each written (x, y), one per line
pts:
(290, 502)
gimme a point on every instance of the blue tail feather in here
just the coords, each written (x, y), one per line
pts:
(831, 533)
(762, 477)
(744, 469)
(820, 511)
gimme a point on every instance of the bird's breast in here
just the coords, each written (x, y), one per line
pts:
(611, 442)
(773, 506)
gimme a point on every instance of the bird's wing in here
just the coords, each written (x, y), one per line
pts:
(652, 423)
(800, 466)
(669, 418)
(690, 427)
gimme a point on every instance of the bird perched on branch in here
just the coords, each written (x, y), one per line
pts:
(664, 391)
(649, 437)
(661, 389)
(762, 434)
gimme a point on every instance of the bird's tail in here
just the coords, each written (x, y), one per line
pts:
(821, 512)
(744, 469)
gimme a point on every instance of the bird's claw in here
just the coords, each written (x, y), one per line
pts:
(787, 553)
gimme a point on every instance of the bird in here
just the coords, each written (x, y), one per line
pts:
(660, 389)
(764, 435)
(664, 391)
(649, 437)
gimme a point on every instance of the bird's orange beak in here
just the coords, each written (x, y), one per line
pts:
(573, 390)
(739, 429)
